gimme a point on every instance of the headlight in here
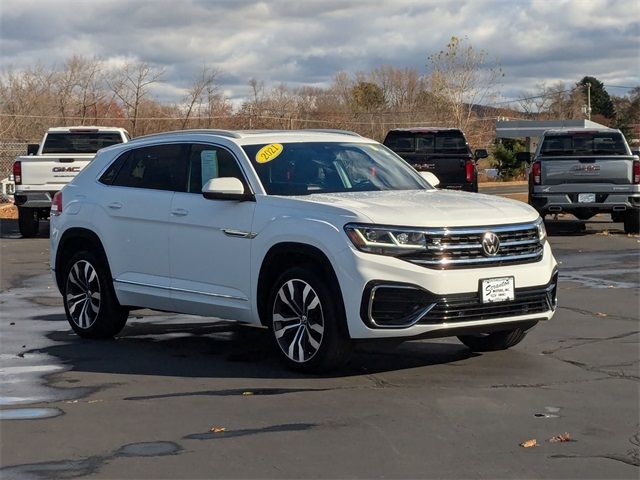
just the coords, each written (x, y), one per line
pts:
(542, 231)
(385, 241)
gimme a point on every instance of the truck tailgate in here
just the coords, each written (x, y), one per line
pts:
(448, 168)
(41, 171)
(562, 170)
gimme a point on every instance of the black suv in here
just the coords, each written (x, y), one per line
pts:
(442, 151)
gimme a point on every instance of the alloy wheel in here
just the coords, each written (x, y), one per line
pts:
(83, 294)
(298, 321)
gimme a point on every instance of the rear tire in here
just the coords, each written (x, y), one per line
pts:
(632, 221)
(493, 341)
(307, 323)
(92, 309)
(28, 222)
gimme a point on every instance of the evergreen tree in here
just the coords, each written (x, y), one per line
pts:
(600, 101)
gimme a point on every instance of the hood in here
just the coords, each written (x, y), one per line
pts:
(429, 208)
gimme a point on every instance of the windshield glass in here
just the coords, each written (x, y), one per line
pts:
(447, 141)
(588, 143)
(89, 142)
(329, 167)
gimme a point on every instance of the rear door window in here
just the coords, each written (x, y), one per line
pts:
(159, 167)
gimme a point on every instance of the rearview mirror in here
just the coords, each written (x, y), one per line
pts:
(32, 148)
(480, 153)
(226, 188)
(523, 157)
(430, 178)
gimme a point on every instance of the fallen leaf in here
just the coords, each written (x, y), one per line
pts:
(247, 393)
(529, 443)
(563, 437)
(217, 429)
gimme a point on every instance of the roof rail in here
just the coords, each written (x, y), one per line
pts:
(332, 130)
(201, 131)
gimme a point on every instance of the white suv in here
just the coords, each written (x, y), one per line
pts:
(321, 236)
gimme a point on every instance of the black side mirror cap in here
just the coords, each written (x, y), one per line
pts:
(32, 148)
(523, 157)
(480, 153)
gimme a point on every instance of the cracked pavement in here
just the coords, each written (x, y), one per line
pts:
(143, 406)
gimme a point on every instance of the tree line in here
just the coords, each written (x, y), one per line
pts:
(458, 88)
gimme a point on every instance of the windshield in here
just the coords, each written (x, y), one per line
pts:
(89, 142)
(329, 167)
(588, 143)
(448, 141)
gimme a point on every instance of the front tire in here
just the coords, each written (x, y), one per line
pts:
(307, 322)
(92, 309)
(632, 221)
(28, 222)
(493, 341)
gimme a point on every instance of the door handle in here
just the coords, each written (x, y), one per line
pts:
(115, 206)
(179, 212)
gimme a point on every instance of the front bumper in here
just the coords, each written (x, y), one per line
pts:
(358, 271)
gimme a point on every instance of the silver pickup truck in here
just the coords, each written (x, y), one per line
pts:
(585, 172)
(48, 167)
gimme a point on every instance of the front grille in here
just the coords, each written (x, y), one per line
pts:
(462, 247)
(468, 307)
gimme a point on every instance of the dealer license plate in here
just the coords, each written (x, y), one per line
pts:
(497, 289)
(586, 198)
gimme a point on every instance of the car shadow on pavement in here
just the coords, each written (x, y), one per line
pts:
(9, 229)
(225, 350)
(573, 227)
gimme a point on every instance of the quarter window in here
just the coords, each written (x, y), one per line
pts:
(161, 167)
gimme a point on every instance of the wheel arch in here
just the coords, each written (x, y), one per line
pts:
(74, 240)
(284, 255)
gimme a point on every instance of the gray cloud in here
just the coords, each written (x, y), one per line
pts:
(307, 42)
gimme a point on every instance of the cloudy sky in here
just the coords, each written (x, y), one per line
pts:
(305, 42)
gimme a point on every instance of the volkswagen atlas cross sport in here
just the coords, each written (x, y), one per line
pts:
(323, 237)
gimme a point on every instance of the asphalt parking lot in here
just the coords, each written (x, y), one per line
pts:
(143, 406)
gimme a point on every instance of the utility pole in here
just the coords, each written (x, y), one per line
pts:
(588, 101)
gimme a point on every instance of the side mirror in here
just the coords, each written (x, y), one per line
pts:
(523, 157)
(430, 178)
(226, 188)
(480, 153)
(32, 148)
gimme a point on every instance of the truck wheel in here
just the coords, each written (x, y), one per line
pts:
(617, 217)
(493, 341)
(632, 221)
(28, 222)
(307, 325)
(92, 309)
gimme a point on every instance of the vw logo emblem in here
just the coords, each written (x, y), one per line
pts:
(490, 244)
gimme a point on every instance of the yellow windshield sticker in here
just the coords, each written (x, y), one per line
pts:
(268, 152)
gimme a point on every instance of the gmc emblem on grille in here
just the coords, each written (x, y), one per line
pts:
(490, 244)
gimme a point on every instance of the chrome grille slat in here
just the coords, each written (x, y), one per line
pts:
(468, 307)
(462, 247)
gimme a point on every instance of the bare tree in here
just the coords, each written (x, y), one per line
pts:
(131, 86)
(463, 77)
(204, 84)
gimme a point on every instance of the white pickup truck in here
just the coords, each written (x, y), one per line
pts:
(63, 152)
